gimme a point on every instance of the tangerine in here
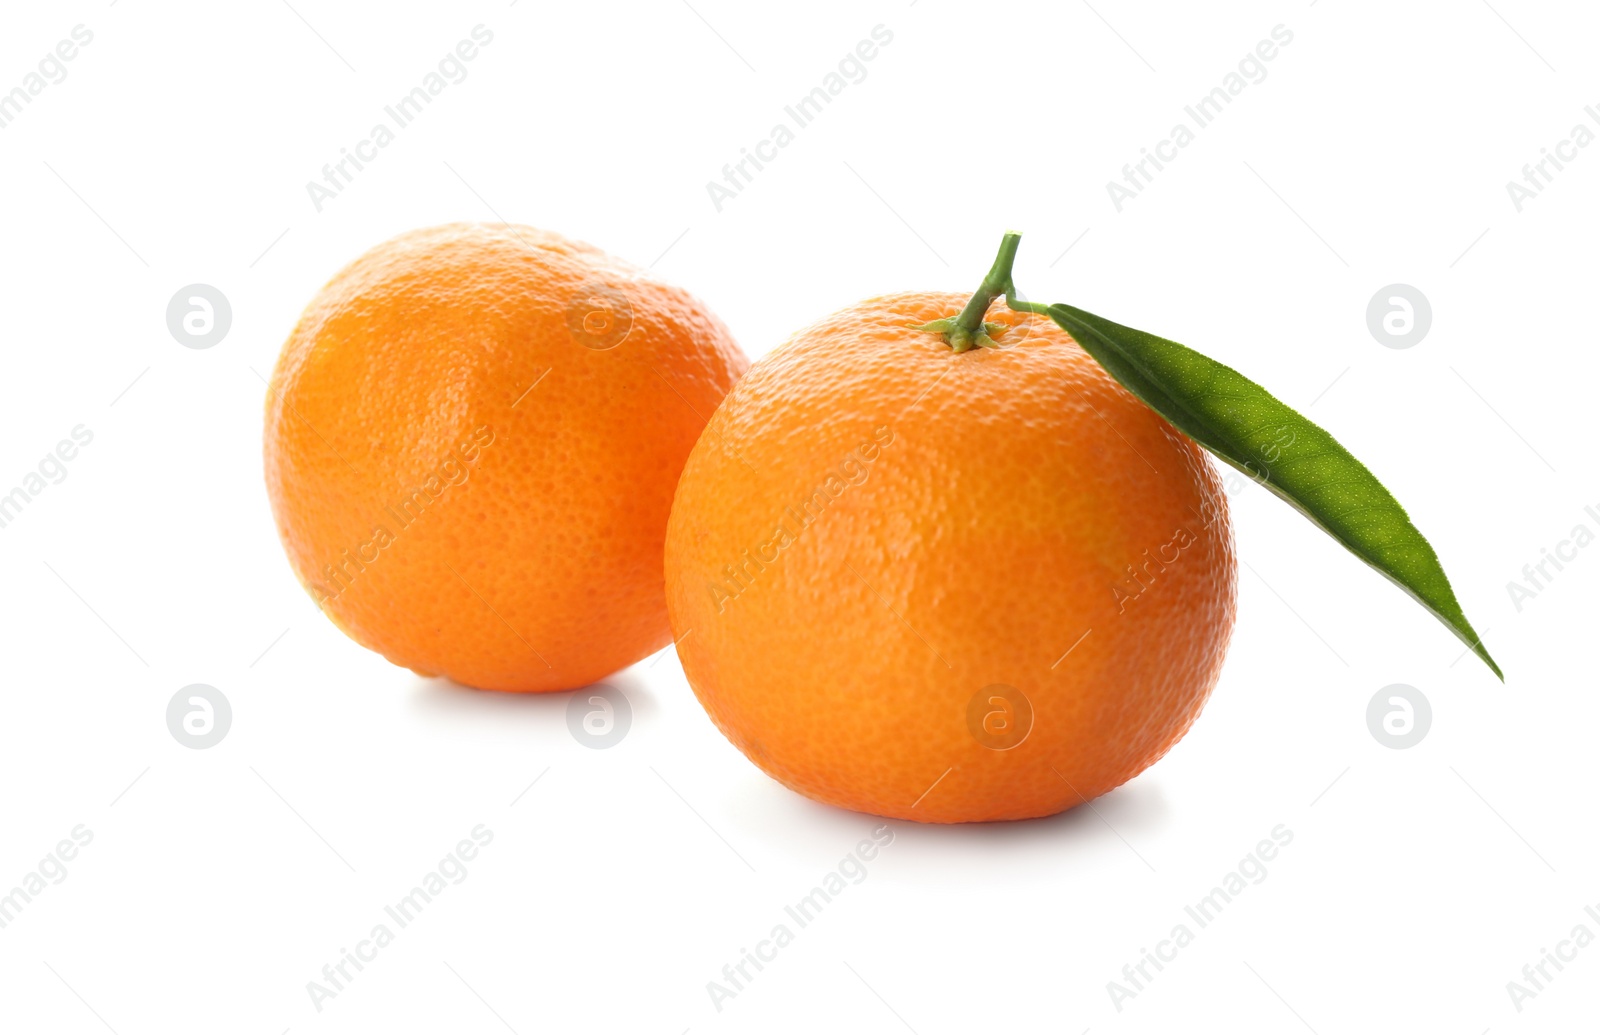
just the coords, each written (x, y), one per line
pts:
(948, 584)
(472, 438)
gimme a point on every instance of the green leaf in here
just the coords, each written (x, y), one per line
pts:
(1246, 427)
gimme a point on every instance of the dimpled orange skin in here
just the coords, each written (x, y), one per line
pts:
(461, 483)
(992, 537)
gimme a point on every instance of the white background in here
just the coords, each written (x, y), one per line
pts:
(219, 882)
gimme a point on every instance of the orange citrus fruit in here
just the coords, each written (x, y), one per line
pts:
(472, 438)
(944, 585)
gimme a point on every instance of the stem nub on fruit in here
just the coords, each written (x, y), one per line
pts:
(967, 330)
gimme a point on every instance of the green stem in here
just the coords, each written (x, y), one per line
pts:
(996, 282)
(967, 330)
